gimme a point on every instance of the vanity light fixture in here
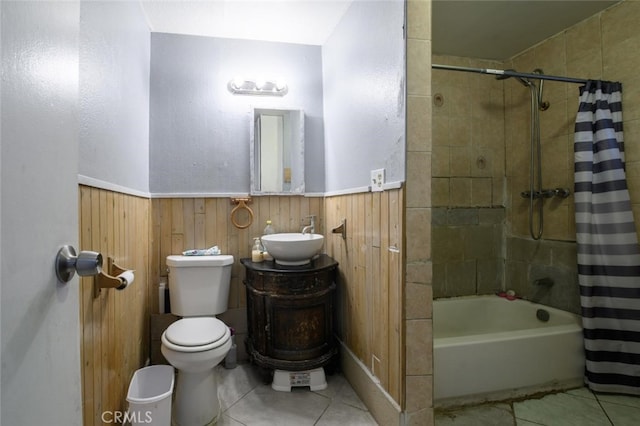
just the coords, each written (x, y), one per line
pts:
(243, 86)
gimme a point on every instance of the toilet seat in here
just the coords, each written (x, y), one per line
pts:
(196, 334)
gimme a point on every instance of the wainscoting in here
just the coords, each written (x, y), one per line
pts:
(140, 233)
(179, 224)
(115, 324)
(370, 289)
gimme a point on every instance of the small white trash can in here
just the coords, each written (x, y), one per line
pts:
(149, 396)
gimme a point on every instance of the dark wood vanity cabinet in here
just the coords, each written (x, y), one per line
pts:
(290, 314)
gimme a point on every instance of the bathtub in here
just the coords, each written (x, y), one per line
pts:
(487, 348)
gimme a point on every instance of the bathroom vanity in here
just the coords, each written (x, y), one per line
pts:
(290, 315)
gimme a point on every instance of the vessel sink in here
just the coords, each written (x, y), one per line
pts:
(292, 248)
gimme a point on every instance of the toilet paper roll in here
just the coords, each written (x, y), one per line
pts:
(126, 278)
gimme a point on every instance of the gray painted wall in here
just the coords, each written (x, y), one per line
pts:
(199, 132)
(39, 166)
(114, 94)
(364, 114)
(199, 143)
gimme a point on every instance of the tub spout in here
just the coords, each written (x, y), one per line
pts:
(542, 289)
(544, 282)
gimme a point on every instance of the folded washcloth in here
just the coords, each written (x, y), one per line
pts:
(211, 251)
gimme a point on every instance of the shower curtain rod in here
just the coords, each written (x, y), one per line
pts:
(509, 73)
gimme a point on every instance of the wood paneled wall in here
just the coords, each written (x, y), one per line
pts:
(371, 269)
(115, 325)
(370, 289)
(140, 233)
(179, 224)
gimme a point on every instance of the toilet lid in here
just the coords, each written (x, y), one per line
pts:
(196, 331)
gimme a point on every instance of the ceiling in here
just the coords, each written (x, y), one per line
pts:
(489, 29)
(288, 21)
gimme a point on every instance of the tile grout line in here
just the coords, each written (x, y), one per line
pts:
(328, 405)
(515, 419)
(602, 408)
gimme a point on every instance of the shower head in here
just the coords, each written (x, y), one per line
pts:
(524, 81)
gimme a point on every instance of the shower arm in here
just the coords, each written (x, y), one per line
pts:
(510, 73)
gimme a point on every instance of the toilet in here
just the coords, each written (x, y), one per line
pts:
(196, 343)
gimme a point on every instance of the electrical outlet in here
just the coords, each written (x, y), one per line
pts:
(377, 179)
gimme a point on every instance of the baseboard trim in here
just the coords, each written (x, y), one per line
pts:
(382, 407)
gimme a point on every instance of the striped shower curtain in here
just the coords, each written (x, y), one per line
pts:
(608, 251)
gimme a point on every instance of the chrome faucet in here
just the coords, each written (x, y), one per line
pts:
(544, 282)
(311, 227)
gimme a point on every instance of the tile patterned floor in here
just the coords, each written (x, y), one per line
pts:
(245, 400)
(579, 407)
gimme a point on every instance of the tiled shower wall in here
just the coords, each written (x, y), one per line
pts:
(468, 136)
(530, 260)
(467, 250)
(418, 372)
(477, 111)
(600, 48)
(597, 48)
(468, 179)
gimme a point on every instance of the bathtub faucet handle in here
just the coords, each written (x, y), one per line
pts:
(544, 282)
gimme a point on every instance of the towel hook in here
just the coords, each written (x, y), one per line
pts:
(241, 204)
(342, 229)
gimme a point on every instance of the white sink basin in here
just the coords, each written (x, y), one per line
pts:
(293, 248)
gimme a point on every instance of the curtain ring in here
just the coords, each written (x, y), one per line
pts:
(241, 204)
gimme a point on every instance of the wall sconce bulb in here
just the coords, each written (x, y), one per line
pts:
(237, 82)
(242, 86)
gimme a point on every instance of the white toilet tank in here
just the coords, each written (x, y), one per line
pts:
(199, 285)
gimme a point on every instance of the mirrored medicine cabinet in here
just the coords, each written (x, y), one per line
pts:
(277, 151)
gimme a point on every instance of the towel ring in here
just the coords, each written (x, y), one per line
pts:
(241, 204)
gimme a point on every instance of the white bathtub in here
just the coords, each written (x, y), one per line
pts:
(487, 348)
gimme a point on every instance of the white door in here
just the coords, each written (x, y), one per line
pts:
(39, 213)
